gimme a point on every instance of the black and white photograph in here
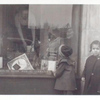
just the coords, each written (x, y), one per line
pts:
(50, 49)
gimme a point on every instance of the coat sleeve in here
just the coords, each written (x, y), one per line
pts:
(84, 71)
(60, 69)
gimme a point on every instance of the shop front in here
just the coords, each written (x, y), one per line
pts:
(30, 38)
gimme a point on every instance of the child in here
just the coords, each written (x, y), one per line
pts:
(65, 73)
(91, 73)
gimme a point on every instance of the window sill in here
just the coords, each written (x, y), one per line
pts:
(26, 74)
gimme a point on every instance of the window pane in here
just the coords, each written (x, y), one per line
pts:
(34, 33)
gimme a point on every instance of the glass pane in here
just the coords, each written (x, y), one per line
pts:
(34, 33)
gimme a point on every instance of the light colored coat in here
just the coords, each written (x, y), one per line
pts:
(65, 76)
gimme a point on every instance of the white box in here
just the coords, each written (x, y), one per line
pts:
(52, 66)
(1, 62)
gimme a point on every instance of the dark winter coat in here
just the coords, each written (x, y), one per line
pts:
(65, 76)
(92, 75)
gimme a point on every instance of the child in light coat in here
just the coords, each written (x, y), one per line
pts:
(65, 73)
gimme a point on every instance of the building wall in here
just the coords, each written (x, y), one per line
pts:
(90, 30)
(76, 39)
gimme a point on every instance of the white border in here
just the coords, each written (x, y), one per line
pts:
(50, 2)
(46, 97)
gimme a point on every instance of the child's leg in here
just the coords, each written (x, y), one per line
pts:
(68, 92)
(65, 92)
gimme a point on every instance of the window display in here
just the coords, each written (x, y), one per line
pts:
(32, 36)
(20, 63)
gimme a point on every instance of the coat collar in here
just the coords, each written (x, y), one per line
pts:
(67, 60)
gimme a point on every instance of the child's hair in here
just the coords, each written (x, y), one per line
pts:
(94, 42)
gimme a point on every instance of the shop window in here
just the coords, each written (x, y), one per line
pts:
(33, 34)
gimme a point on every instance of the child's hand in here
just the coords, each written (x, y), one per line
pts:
(49, 72)
(54, 73)
(83, 79)
(98, 91)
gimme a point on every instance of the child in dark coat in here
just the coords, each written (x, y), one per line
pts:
(65, 73)
(91, 73)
